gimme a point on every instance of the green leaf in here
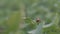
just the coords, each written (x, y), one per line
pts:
(39, 29)
(13, 21)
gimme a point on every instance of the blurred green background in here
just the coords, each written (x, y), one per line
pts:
(19, 16)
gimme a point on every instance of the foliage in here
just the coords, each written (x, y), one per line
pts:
(13, 11)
